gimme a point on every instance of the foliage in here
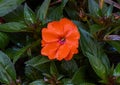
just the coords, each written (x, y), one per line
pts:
(98, 57)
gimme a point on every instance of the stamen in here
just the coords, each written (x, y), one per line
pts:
(62, 41)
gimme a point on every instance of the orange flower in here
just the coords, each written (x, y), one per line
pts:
(60, 40)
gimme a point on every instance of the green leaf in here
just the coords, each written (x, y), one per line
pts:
(118, 80)
(53, 69)
(118, 1)
(92, 50)
(38, 82)
(108, 13)
(32, 73)
(98, 66)
(13, 27)
(19, 38)
(86, 84)
(57, 13)
(95, 28)
(7, 6)
(67, 81)
(71, 12)
(7, 70)
(19, 53)
(64, 2)
(4, 39)
(39, 62)
(16, 15)
(79, 76)
(117, 71)
(93, 7)
(115, 44)
(69, 66)
(10, 52)
(29, 15)
(42, 11)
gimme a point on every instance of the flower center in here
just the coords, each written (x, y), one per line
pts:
(62, 40)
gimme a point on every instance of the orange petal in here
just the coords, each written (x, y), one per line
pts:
(69, 57)
(49, 35)
(65, 21)
(49, 49)
(56, 27)
(43, 43)
(72, 52)
(62, 52)
(73, 43)
(72, 33)
(52, 54)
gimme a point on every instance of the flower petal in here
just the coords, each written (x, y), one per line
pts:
(72, 43)
(65, 21)
(56, 31)
(49, 35)
(72, 52)
(71, 33)
(52, 55)
(48, 49)
(71, 40)
(56, 27)
(43, 43)
(62, 52)
(69, 57)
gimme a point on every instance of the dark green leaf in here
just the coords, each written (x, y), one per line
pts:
(57, 13)
(71, 9)
(79, 76)
(64, 2)
(67, 81)
(71, 12)
(53, 69)
(69, 66)
(109, 11)
(29, 15)
(97, 58)
(42, 11)
(7, 6)
(7, 70)
(16, 15)
(38, 82)
(117, 71)
(3, 40)
(118, 80)
(95, 28)
(93, 7)
(39, 62)
(118, 1)
(13, 27)
(86, 84)
(10, 52)
(98, 66)
(19, 38)
(115, 44)
(19, 53)
(32, 73)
